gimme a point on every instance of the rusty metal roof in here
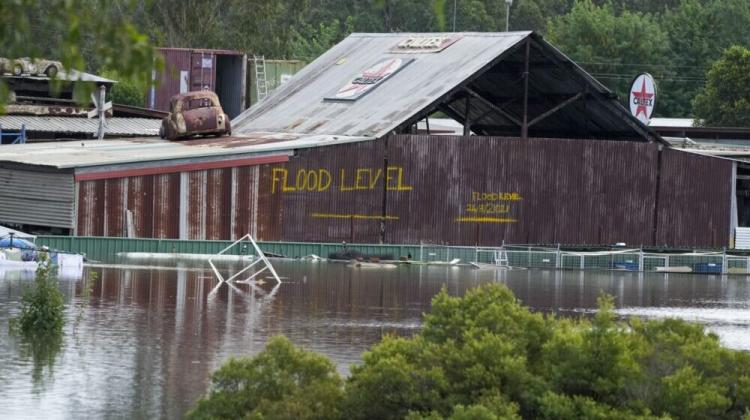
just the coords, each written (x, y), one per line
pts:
(153, 151)
(68, 75)
(116, 126)
(487, 66)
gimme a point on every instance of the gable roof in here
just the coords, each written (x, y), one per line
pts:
(488, 67)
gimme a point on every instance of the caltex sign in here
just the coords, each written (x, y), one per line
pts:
(643, 97)
(369, 79)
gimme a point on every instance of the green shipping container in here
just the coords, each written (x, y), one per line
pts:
(277, 72)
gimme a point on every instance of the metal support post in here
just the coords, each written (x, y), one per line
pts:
(100, 105)
(525, 125)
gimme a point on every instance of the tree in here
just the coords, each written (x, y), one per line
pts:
(485, 356)
(725, 100)
(281, 382)
(77, 31)
(613, 47)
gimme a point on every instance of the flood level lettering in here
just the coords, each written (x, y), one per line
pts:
(489, 207)
(321, 180)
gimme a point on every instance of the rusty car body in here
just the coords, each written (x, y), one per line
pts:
(32, 67)
(194, 113)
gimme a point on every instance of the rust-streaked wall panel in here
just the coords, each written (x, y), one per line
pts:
(694, 200)
(269, 211)
(166, 214)
(481, 191)
(115, 193)
(141, 204)
(196, 205)
(245, 203)
(218, 203)
(90, 208)
(329, 194)
(437, 189)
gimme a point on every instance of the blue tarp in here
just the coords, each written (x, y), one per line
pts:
(17, 243)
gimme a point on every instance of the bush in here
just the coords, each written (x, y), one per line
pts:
(485, 356)
(41, 304)
(282, 382)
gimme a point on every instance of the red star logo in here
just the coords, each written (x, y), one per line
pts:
(642, 99)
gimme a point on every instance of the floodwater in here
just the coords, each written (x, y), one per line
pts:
(141, 342)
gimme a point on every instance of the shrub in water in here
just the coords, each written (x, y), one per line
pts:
(41, 303)
(485, 356)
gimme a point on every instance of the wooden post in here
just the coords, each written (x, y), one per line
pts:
(467, 120)
(525, 125)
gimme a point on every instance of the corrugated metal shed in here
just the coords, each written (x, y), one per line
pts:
(36, 198)
(485, 68)
(482, 190)
(115, 126)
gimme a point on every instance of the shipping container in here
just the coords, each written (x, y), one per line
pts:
(185, 70)
(278, 72)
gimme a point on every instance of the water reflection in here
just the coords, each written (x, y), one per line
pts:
(149, 339)
(42, 351)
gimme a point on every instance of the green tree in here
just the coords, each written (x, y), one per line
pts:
(42, 303)
(281, 382)
(485, 356)
(613, 47)
(725, 100)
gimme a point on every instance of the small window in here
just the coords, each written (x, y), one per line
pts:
(198, 103)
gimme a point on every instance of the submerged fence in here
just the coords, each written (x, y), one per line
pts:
(106, 249)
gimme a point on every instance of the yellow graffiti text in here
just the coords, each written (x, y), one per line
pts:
(467, 219)
(320, 180)
(351, 216)
(495, 196)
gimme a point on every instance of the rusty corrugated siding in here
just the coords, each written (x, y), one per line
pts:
(196, 204)
(90, 208)
(218, 203)
(330, 194)
(245, 203)
(694, 200)
(451, 190)
(166, 214)
(115, 196)
(561, 191)
(141, 204)
(269, 211)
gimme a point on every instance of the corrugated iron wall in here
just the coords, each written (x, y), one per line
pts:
(332, 194)
(36, 198)
(450, 190)
(694, 199)
(481, 191)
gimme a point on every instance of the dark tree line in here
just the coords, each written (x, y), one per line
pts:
(675, 40)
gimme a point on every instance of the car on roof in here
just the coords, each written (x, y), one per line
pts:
(31, 67)
(195, 113)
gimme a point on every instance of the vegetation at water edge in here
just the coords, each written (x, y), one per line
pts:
(42, 304)
(485, 356)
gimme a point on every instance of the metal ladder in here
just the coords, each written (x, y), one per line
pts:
(260, 77)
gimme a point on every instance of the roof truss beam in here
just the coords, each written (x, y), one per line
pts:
(558, 107)
(492, 106)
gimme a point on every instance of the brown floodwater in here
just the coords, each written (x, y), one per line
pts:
(141, 342)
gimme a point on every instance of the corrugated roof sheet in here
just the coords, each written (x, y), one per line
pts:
(491, 65)
(70, 75)
(298, 105)
(151, 151)
(116, 126)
